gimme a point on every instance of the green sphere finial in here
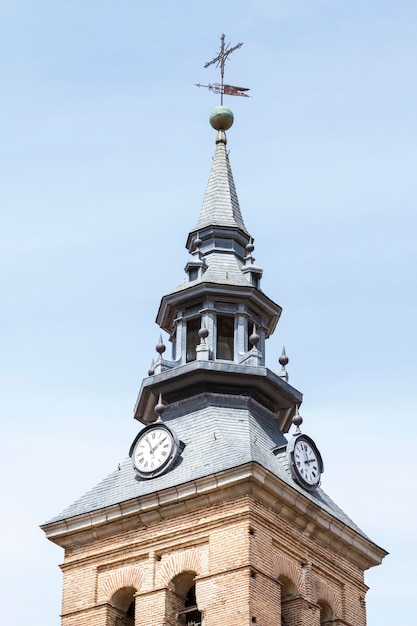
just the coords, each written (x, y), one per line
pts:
(221, 118)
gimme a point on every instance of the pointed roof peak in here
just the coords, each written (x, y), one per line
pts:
(221, 205)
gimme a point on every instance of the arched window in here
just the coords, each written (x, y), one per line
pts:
(188, 613)
(288, 601)
(326, 614)
(122, 611)
(191, 616)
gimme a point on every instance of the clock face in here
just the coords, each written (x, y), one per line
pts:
(305, 462)
(154, 450)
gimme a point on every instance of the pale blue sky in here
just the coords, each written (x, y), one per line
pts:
(105, 151)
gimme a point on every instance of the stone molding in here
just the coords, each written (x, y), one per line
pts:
(255, 480)
(110, 582)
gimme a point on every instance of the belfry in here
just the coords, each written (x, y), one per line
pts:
(217, 515)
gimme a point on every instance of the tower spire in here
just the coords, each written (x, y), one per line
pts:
(220, 212)
(221, 205)
(221, 290)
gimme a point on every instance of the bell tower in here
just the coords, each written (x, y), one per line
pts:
(217, 516)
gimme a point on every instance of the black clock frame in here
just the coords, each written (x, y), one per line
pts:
(169, 461)
(293, 467)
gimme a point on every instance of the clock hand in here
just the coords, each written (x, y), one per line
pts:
(158, 444)
(149, 444)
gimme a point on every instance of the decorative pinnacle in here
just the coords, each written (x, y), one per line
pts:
(197, 244)
(203, 333)
(159, 408)
(249, 260)
(220, 61)
(221, 118)
(160, 346)
(249, 246)
(283, 359)
(254, 338)
(297, 420)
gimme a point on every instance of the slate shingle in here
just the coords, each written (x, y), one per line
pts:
(219, 433)
(221, 204)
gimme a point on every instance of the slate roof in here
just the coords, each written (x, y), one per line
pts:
(221, 204)
(222, 269)
(220, 432)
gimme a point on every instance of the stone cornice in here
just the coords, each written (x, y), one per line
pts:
(265, 386)
(202, 290)
(249, 479)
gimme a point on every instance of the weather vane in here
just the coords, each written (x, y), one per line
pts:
(220, 61)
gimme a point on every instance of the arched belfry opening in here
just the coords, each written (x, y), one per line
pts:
(288, 597)
(122, 610)
(326, 614)
(192, 615)
(188, 613)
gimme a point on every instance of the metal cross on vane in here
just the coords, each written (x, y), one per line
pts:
(220, 60)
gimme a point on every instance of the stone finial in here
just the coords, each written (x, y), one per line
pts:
(203, 333)
(297, 420)
(221, 119)
(203, 348)
(252, 271)
(249, 249)
(254, 338)
(160, 346)
(197, 245)
(151, 370)
(159, 408)
(283, 361)
(249, 246)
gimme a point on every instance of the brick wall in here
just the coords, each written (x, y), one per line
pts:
(242, 556)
